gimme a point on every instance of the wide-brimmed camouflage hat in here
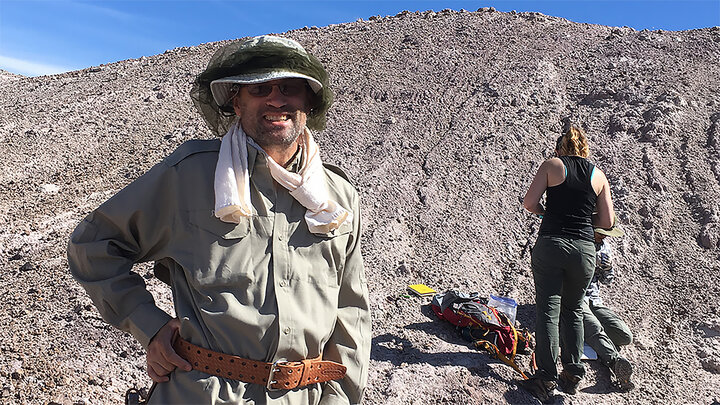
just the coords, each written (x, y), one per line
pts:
(257, 60)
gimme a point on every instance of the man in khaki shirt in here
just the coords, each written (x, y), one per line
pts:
(258, 239)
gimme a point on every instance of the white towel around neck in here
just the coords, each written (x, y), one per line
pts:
(308, 186)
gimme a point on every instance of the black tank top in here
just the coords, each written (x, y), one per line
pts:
(570, 204)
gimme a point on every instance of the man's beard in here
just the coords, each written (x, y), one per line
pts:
(270, 138)
(265, 137)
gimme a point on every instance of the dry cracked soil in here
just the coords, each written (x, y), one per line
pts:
(440, 119)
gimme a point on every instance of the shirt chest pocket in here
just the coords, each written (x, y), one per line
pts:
(322, 254)
(220, 250)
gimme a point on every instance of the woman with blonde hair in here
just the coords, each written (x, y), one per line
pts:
(563, 259)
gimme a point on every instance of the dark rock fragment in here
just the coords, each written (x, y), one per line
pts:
(27, 267)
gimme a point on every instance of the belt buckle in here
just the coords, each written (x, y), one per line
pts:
(270, 380)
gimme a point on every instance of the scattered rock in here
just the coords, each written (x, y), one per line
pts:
(28, 266)
(49, 188)
(710, 236)
(711, 364)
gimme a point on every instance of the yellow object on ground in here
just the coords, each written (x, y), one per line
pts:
(421, 290)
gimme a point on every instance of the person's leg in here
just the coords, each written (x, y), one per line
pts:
(576, 277)
(617, 330)
(596, 337)
(619, 334)
(548, 286)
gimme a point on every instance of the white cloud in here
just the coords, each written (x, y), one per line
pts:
(30, 68)
(107, 11)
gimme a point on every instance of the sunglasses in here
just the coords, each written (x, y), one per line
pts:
(286, 89)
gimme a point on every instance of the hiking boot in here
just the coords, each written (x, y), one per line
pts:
(540, 389)
(568, 382)
(622, 369)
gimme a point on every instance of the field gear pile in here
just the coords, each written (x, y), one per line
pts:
(485, 326)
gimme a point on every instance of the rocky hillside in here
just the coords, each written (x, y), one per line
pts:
(7, 76)
(440, 120)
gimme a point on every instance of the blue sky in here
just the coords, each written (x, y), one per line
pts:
(40, 37)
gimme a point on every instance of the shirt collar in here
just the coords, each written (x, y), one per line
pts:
(293, 166)
(251, 158)
(295, 163)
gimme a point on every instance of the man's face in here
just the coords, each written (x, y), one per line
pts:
(273, 113)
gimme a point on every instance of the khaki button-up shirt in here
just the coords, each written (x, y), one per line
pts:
(265, 289)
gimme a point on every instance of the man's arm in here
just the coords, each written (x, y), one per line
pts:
(133, 226)
(351, 338)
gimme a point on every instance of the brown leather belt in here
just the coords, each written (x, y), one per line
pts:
(281, 375)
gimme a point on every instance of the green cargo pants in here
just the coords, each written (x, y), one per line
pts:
(605, 332)
(562, 269)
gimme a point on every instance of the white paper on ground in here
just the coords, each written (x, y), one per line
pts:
(588, 353)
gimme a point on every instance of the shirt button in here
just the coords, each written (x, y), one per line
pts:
(280, 238)
(286, 330)
(283, 283)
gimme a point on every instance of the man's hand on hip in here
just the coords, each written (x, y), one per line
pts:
(161, 357)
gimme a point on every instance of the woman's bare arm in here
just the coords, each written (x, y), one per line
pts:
(604, 205)
(537, 188)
